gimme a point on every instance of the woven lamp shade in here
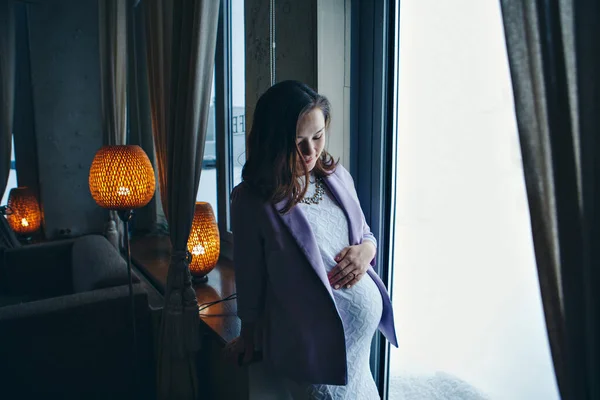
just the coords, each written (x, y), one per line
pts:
(121, 178)
(24, 217)
(204, 242)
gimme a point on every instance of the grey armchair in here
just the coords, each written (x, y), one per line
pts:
(65, 323)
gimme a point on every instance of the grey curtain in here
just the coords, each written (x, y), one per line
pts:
(150, 219)
(181, 40)
(113, 69)
(7, 87)
(112, 16)
(554, 57)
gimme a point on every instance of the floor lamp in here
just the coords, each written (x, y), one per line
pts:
(122, 179)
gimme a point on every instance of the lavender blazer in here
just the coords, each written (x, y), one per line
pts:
(282, 283)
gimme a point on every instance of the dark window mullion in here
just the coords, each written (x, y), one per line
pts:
(229, 115)
(222, 114)
(371, 140)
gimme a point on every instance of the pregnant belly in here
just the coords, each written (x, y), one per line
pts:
(360, 308)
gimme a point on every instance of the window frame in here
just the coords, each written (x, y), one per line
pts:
(224, 125)
(372, 140)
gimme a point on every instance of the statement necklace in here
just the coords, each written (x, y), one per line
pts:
(318, 196)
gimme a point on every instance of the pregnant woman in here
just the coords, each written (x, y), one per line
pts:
(308, 296)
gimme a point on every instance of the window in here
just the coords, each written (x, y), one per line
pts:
(238, 90)
(225, 149)
(234, 125)
(465, 288)
(207, 189)
(12, 176)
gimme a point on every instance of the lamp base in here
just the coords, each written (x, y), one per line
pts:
(25, 239)
(199, 278)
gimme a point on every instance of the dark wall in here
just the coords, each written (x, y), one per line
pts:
(65, 76)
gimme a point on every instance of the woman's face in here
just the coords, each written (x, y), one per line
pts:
(310, 136)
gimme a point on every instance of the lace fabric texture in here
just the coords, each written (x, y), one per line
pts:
(360, 306)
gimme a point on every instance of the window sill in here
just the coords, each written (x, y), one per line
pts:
(151, 255)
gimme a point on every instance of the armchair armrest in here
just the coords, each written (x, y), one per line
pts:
(42, 270)
(81, 305)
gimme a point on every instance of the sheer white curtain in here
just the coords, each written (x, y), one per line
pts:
(181, 42)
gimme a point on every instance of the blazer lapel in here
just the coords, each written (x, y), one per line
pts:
(299, 227)
(350, 206)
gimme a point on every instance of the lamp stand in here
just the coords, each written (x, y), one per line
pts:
(125, 216)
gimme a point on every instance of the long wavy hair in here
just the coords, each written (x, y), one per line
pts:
(274, 162)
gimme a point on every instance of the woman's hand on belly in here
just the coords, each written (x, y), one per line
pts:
(352, 264)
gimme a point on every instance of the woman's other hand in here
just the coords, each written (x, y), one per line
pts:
(352, 264)
(237, 347)
(243, 344)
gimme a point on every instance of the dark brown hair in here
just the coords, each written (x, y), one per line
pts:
(272, 166)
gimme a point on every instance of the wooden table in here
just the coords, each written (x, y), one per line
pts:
(151, 255)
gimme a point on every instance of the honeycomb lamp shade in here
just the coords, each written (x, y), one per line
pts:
(121, 178)
(24, 217)
(204, 242)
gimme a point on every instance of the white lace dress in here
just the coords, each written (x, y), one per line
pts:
(360, 306)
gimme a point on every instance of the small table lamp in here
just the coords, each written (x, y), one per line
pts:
(23, 214)
(204, 242)
(122, 179)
